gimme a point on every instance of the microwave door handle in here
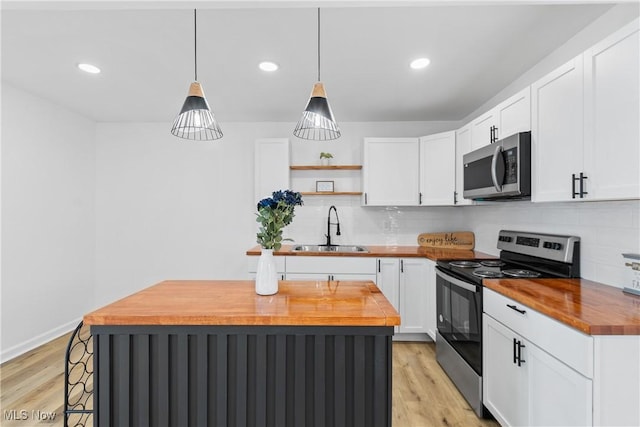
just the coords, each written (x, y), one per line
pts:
(457, 282)
(494, 166)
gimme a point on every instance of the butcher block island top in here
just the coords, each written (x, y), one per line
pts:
(381, 251)
(590, 307)
(230, 302)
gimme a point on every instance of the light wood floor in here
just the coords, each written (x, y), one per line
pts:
(423, 396)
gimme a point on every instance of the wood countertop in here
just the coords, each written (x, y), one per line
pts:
(379, 251)
(234, 302)
(590, 307)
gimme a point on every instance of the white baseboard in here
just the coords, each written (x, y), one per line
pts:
(416, 337)
(30, 344)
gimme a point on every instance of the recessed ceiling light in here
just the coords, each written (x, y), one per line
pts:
(420, 63)
(92, 69)
(268, 66)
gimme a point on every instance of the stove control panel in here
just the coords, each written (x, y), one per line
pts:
(552, 245)
(548, 246)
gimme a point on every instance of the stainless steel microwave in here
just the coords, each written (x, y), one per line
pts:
(501, 170)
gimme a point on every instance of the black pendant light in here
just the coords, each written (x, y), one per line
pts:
(317, 122)
(196, 121)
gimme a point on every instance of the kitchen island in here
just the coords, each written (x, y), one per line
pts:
(214, 353)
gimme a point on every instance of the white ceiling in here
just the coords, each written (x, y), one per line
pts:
(146, 57)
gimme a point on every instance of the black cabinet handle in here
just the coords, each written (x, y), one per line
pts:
(520, 347)
(401, 266)
(378, 266)
(515, 351)
(513, 307)
(582, 186)
(365, 198)
(573, 186)
(419, 198)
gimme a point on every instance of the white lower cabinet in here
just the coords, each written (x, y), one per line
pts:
(432, 321)
(526, 386)
(504, 381)
(252, 266)
(330, 268)
(564, 378)
(403, 281)
(330, 276)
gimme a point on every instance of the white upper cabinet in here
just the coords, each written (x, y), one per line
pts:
(463, 146)
(483, 130)
(511, 116)
(514, 114)
(585, 124)
(391, 171)
(612, 112)
(557, 131)
(437, 169)
(271, 166)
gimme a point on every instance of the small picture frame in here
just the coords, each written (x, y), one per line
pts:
(324, 187)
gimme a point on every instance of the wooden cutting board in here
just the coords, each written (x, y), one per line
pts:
(450, 240)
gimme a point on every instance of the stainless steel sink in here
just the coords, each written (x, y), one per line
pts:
(329, 248)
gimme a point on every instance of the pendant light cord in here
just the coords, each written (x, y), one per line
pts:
(195, 44)
(318, 44)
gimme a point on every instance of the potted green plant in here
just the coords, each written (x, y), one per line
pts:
(325, 158)
(274, 214)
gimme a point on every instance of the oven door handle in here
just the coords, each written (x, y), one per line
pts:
(457, 282)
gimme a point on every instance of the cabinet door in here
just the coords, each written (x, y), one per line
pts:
(463, 146)
(514, 114)
(557, 132)
(432, 323)
(271, 166)
(387, 279)
(612, 116)
(558, 395)
(391, 171)
(413, 295)
(481, 129)
(437, 169)
(504, 383)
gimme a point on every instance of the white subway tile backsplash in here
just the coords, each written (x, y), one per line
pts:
(606, 229)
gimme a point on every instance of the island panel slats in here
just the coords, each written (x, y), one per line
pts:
(243, 375)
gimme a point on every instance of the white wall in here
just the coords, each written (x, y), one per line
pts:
(47, 220)
(173, 209)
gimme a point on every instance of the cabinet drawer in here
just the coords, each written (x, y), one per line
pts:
(252, 263)
(566, 344)
(330, 264)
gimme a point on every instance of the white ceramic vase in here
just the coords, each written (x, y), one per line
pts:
(325, 162)
(266, 276)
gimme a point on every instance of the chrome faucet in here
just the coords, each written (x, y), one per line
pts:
(337, 224)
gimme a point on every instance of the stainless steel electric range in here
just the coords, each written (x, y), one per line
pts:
(459, 298)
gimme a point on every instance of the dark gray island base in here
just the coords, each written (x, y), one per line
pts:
(161, 371)
(242, 376)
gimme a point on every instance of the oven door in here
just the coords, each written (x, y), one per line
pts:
(459, 315)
